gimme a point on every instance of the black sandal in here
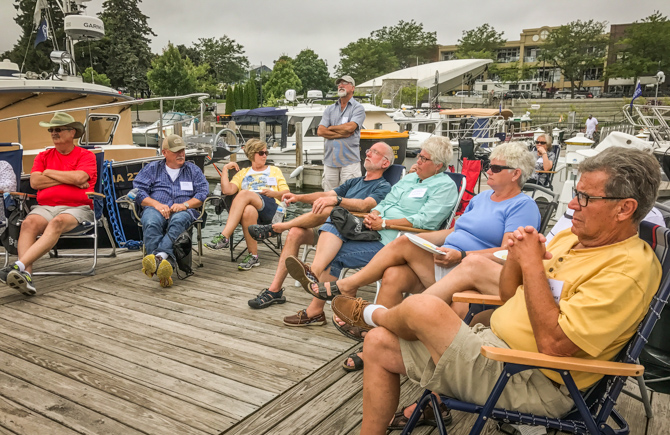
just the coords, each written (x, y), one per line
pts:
(324, 293)
(358, 362)
(427, 418)
(261, 232)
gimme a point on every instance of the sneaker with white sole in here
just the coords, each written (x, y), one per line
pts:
(22, 282)
(5, 271)
(249, 261)
(218, 242)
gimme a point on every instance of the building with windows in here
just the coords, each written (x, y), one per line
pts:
(524, 53)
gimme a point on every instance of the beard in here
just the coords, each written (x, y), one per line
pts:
(341, 93)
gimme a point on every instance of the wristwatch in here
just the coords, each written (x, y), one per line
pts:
(383, 224)
(186, 205)
(462, 255)
(339, 200)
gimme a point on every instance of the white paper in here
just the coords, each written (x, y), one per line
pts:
(186, 185)
(556, 289)
(345, 120)
(418, 193)
(272, 181)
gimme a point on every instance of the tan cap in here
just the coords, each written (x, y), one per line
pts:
(345, 79)
(173, 143)
(62, 119)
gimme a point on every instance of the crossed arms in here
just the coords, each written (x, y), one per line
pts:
(52, 177)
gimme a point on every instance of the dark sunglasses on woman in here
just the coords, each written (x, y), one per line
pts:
(497, 168)
(263, 153)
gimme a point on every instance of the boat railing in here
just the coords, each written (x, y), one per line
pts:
(179, 123)
(653, 119)
(200, 96)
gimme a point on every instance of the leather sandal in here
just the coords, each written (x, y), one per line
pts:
(353, 332)
(358, 362)
(427, 418)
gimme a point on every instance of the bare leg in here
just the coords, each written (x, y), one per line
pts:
(476, 272)
(307, 220)
(327, 248)
(295, 238)
(397, 253)
(249, 217)
(243, 198)
(31, 252)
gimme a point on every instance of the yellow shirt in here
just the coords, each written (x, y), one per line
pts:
(606, 293)
(271, 178)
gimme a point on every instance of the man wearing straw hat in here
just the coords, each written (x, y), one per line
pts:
(61, 175)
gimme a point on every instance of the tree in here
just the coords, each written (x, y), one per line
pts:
(252, 93)
(312, 71)
(91, 76)
(644, 49)
(239, 96)
(408, 95)
(226, 58)
(230, 100)
(511, 72)
(282, 79)
(575, 48)
(367, 58)
(127, 56)
(480, 43)
(408, 41)
(190, 52)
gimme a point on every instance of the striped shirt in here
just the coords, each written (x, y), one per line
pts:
(346, 151)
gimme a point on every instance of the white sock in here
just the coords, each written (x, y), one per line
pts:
(163, 255)
(22, 267)
(367, 313)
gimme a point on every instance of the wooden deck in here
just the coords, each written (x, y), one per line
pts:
(116, 354)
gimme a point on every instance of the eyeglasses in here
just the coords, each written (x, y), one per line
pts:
(583, 199)
(263, 153)
(497, 168)
(375, 152)
(424, 159)
(539, 142)
(343, 83)
(58, 129)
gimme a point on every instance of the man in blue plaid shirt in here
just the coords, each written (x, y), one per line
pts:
(169, 191)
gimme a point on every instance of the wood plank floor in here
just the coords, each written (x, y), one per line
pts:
(115, 353)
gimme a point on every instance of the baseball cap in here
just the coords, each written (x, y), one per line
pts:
(345, 79)
(173, 143)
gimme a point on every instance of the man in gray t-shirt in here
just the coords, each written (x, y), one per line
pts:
(341, 128)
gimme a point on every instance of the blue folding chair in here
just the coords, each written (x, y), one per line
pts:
(594, 407)
(11, 153)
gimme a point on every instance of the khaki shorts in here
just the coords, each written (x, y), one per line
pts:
(333, 177)
(82, 213)
(465, 374)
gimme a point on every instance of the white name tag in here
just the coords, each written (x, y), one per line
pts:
(556, 289)
(345, 120)
(272, 181)
(186, 185)
(418, 193)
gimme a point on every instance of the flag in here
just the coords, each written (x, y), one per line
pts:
(39, 5)
(500, 108)
(637, 93)
(41, 33)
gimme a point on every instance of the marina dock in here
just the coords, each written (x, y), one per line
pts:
(115, 353)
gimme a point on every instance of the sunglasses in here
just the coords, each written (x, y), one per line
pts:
(263, 153)
(58, 129)
(497, 168)
(539, 142)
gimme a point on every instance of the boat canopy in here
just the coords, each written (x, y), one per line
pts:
(477, 113)
(271, 116)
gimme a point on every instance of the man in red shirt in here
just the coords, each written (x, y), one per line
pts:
(61, 175)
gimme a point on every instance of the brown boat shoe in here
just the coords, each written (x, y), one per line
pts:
(350, 310)
(302, 319)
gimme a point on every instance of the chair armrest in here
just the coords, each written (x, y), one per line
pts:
(127, 203)
(546, 172)
(359, 213)
(90, 194)
(477, 298)
(22, 195)
(562, 363)
(408, 229)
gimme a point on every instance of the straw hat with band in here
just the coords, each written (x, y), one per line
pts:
(62, 119)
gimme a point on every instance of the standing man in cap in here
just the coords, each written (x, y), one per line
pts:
(61, 175)
(341, 127)
(591, 126)
(169, 191)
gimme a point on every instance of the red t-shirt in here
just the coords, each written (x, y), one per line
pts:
(79, 159)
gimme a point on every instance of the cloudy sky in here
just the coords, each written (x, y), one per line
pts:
(268, 28)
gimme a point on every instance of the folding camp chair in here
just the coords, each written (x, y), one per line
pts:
(11, 153)
(556, 149)
(594, 407)
(88, 230)
(546, 204)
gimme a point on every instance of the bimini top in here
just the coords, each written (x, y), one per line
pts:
(262, 112)
(477, 113)
(448, 73)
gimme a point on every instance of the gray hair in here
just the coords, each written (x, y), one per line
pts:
(440, 150)
(516, 155)
(389, 154)
(632, 174)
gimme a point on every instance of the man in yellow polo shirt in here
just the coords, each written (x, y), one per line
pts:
(584, 296)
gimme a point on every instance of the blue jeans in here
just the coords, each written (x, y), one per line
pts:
(160, 233)
(353, 254)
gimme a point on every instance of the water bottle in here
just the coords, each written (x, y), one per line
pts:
(132, 194)
(279, 214)
(217, 190)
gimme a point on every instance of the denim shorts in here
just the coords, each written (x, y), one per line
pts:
(267, 212)
(353, 253)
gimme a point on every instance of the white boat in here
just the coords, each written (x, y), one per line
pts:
(171, 122)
